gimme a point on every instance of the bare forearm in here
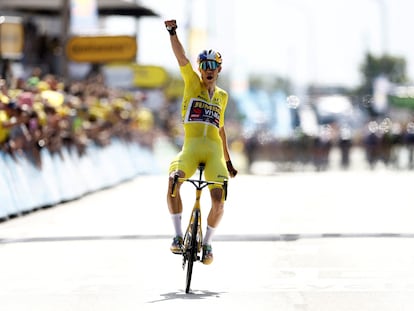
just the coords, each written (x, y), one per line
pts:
(232, 171)
(223, 137)
(176, 45)
(178, 50)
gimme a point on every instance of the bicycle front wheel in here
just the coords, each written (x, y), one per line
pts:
(192, 251)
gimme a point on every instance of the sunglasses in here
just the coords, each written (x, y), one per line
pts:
(209, 64)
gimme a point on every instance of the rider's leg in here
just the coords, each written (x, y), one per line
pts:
(215, 215)
(175, 205)
(213, 220)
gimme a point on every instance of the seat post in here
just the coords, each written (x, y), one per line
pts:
(201, 167)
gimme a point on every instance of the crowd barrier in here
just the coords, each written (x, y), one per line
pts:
(24, 187)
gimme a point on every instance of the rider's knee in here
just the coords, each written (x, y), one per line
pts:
(178, 172)
(217, 197)
(172, 177)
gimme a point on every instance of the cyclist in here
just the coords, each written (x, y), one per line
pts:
(202, 111)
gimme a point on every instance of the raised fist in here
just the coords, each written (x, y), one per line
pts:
(171, 26)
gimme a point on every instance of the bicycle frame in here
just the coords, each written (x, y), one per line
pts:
(195, 218)
(194, 234)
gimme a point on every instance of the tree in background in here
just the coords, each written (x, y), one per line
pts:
(392, 68)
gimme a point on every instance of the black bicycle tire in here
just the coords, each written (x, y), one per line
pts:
(192, 252)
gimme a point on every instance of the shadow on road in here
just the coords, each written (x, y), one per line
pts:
(193, 295)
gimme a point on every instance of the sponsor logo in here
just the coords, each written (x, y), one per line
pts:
(202, 112)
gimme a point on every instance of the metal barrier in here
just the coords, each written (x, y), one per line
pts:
(25, 187)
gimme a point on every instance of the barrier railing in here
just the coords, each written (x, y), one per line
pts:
(24, 187)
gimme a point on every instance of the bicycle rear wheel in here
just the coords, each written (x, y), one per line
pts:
(192, 251)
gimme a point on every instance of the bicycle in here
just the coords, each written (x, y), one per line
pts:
(193, 237)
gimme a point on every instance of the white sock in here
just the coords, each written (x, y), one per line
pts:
(176, 218)
(208, 237)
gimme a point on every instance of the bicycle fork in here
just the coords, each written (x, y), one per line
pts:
(194, 219)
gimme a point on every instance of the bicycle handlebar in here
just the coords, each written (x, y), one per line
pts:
(198, 183)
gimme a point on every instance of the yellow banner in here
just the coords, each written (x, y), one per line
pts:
(149, 76)
(101, 49)
(11, 38)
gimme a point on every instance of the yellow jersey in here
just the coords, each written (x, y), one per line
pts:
(202, 116)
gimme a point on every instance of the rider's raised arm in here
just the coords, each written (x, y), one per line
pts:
(176, 45)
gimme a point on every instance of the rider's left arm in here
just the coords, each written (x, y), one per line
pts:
(223, 137)
(230, 168)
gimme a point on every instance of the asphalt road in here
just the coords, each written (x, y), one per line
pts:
(292, 242)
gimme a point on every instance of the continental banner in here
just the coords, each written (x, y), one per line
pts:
(101, 49)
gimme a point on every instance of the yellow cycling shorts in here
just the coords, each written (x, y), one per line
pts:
(201, 150)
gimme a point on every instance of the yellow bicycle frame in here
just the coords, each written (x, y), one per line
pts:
(197, 206)
(200, 185)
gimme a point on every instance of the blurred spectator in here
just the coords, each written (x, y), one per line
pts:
(345, 145)
(372, 143)
(34, 78)
(40, 113)
(322, 148)
(409, 142)
(386, 141)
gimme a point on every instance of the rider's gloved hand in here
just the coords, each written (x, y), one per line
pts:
(233, 172)
(171, 26)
